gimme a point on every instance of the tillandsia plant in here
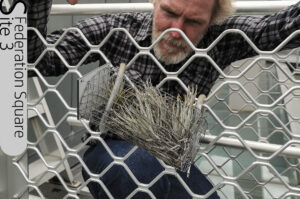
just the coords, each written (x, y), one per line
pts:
(167, 127)
(101, 97)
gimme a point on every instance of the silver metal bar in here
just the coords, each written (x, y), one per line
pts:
(261, 6)
(255, 7)
(231, 142)
(61, 9)
(256, 146)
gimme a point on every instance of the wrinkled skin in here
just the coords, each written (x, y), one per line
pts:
(192, 17)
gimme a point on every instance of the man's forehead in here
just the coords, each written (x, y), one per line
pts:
(193, 2)
(189, 7)
(196, 4)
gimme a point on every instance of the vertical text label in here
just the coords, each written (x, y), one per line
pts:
(13, 80)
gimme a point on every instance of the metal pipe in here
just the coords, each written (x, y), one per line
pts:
(261, 6)
(112, 96)
(255, 146)
(100, 8)
(252, 7)
(231, 142)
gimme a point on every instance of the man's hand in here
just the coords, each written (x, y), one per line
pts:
(72, 2)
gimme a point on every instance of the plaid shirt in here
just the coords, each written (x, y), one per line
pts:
(266, 32)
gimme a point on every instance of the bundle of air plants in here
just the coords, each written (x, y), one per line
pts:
(168, 128)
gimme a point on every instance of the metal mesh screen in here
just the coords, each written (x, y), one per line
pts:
(251, 149)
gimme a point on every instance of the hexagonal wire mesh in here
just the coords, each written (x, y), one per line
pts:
(251, 148)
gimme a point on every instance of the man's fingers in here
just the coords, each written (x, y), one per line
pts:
(72, 2)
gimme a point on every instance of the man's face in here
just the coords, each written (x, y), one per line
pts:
(190, 16)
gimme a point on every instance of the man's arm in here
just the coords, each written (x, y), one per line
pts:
(72, 47)
(266, 32)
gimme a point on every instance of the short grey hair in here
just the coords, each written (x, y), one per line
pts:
(222, 10)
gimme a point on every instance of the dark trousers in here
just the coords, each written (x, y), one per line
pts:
(145, 168)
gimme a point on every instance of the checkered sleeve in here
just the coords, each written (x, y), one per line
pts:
(277, 27)
(71, 46)
(271, 30)
(38, 12)
(266, 32)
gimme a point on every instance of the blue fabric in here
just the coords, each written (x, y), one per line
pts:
(145, 168)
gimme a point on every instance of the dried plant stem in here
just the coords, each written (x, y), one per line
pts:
(112, 96)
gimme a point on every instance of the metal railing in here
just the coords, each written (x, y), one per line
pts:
(252, 7)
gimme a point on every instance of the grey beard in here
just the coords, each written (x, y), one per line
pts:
(172, 59)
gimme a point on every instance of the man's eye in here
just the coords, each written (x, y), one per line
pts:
(194, 22)
(171, 14)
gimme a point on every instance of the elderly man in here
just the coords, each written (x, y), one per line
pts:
(202, 21)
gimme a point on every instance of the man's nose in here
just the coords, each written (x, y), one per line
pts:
(179, 25)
